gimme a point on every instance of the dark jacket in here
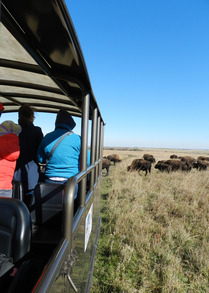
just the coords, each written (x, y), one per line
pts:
(27, 167)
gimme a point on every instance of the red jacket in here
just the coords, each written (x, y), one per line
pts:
(9, 153)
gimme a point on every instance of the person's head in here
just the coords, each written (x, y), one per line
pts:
(7, 127)
(26, 114)
(64, 119)
(1, 108)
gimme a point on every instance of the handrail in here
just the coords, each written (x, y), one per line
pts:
(68, 205)
(51, 272)
(60, 187)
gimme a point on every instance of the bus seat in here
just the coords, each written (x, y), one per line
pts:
(17, 190)
(15, 228)
(48, 201)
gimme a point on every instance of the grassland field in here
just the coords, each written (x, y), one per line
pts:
(155, 229)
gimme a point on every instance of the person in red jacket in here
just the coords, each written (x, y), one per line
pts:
(1, 108)
(9, 153)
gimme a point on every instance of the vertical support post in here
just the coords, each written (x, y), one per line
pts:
(68, 209)
(101, 145)
(84, 146)
(93, 145)
(98, 146)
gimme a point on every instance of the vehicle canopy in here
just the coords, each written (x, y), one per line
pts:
(42, 65)
(47, 71)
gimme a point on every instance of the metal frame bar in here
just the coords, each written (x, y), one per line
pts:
(84, 145)
(97, 147)
(38, 97)
(93, 146)
(101, 145)
(21, 66)
(31, 86)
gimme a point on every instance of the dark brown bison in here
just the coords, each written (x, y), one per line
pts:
(106, 165)
(149, 158)
(202, 158)
(162, 166)
(173, 157)
(201, 165)
(140, 165)
(114, 158)
(177, 165)
(188, 159)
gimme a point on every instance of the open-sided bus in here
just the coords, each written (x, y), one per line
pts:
(41, 64)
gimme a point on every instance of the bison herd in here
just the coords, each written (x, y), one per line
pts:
(175, 163)
(185, 163)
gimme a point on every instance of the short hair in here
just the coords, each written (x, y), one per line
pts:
(25, 111)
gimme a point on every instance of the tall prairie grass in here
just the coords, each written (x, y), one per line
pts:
(155, 229)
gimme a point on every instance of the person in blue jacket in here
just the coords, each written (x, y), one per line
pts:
(65, 161)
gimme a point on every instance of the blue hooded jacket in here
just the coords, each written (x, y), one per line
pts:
(65, 161)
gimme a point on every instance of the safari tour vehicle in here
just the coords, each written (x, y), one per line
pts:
(41, 64)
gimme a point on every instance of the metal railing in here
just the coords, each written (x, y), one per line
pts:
(70, 226)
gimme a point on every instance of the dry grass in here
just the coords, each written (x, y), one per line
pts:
(155, 233)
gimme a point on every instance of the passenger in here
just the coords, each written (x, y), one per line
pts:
(9, 153)
(1, 108)
(65, 161)
(27, 167)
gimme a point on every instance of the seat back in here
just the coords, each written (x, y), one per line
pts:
(48, 201)
(17, 191)
(15, 228)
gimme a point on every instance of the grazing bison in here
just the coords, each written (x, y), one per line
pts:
(149, 158)
(188, 159)
(162, 166)
(177, 165)
(203, 158)
(114, 158)
(106, 165)
(201, 165)
(173, 157)
(140, 165)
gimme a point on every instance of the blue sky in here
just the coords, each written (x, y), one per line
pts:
(148, 62)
